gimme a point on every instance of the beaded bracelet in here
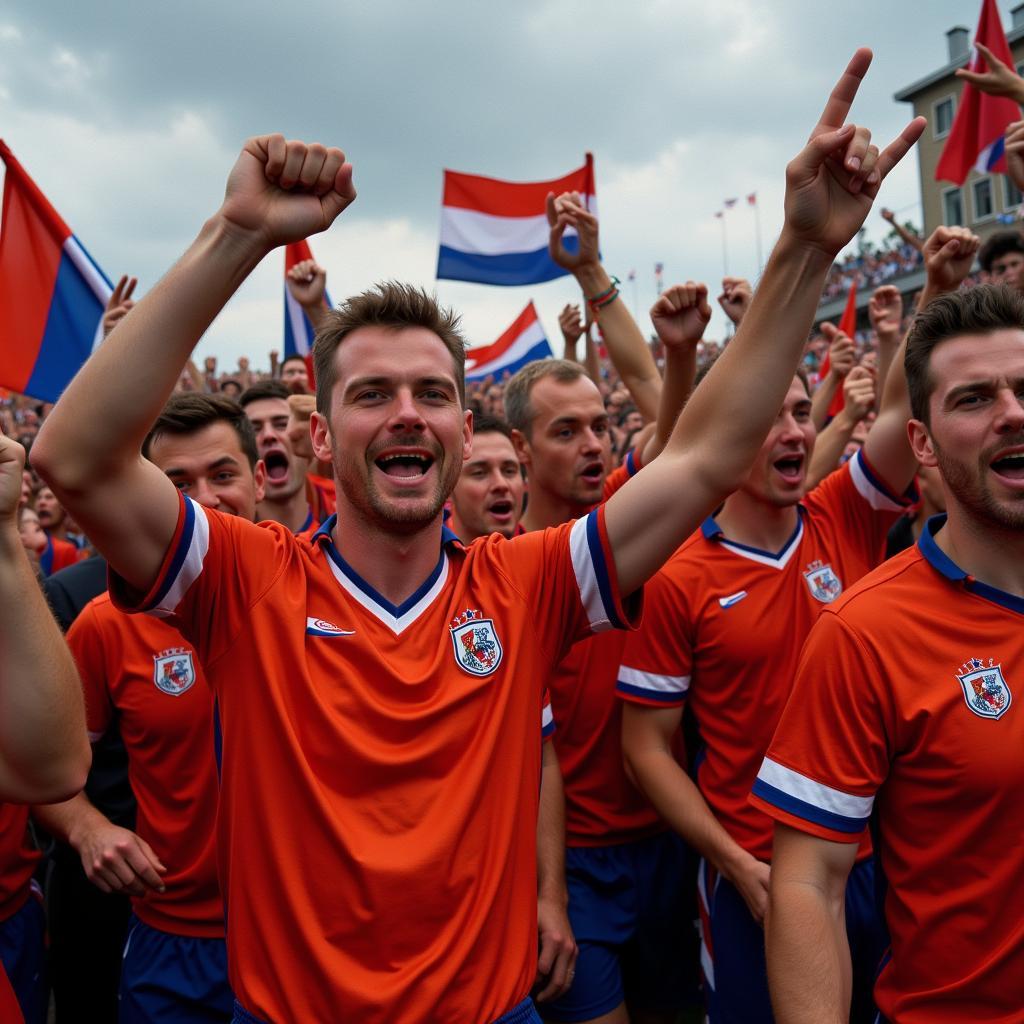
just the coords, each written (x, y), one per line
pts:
(607, 297)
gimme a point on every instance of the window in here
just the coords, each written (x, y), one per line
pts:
(952, 207)
(1012, 195)
(942, 117)
(981, 196)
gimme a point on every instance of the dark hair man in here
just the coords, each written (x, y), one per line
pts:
(142, 671)
(914, 670)
(1002, 256)
(384, 699)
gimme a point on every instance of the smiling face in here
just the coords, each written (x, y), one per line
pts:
(489, 495)
(565, 452)
(396, 433)
(209, 466)
(779, 474)
(975, 434)
(286, 474)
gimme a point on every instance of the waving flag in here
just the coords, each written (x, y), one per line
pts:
(52, 293)
(298, 331)
(522, 343)
(976, 138)
(496, 232)
(848, 325)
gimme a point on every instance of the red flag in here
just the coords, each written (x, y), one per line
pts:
(752, 199)
(976, 138)
(848, 325)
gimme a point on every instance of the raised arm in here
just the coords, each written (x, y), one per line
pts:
(44, 748)
(858, 401)
(885, 311)
(911, 238)
(307, 281)
(629, 352)
(841, 357)
(680, 317)
(89, 449)
(830, 186)
(948, 256)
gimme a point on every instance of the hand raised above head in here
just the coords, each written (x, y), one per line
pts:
(568, 210)
(948, 257)
(832, 182)
(282, 191)
(681, 314)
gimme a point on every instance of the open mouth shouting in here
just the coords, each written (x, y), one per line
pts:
(1008, 465)
(593, 473)
(278, 466)
(790, 468)
(501, 510)
(406, 466)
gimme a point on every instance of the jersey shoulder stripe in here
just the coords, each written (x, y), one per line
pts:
(591, 563)
(812, 801)
(184, 561)
(871, 487)
(664, 689)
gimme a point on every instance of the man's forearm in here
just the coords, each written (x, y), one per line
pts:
(822, 399)
(629, 352)
(809, 972)
(107, 410)
(887, 349)
(44, 748)
(829, 448)
(69, 819)
(680, 371)
(551, 832)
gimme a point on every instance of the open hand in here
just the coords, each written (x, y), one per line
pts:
(119, 303)
(832, 182)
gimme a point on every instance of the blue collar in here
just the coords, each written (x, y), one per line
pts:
(943, 564)
(323, 537)
(712, 531)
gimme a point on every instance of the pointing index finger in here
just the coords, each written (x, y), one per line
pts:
(842, 96)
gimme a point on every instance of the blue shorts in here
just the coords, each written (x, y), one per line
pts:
(523, 1013)
(732, 949)
(632, 912)
(174, 979)
(23, 955)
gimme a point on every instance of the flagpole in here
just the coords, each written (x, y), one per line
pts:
(636, 299)
(725, 247)
(757, 235)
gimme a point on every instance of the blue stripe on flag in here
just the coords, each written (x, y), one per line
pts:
(542, 350)
(513, 268)
(995, 153)
(71, 325)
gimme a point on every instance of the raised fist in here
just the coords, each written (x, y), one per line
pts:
(885, 311)
(735, 298)
(858, 393)
(948, 257)
(842, 353)
(307, 281)
(282, 191)
(571, 324)
(681, 314)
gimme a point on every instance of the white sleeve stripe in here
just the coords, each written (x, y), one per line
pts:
(816, 794)
(191, 565)
(869, 488)
(587, 575)
(547, 717)
(653, 681)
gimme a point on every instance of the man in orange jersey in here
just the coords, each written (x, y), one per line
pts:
(378, 685)
(915, 671)
(144, 672)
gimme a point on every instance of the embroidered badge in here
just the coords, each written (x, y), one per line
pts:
(174, 672)
(823, 583)
(476, 644)
(986, 691)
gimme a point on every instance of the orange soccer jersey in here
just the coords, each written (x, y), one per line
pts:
(724, 624)
(602, 806)
(381, 763)
(144, 672)
(904, 706)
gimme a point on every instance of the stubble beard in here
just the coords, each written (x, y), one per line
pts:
(975, 497)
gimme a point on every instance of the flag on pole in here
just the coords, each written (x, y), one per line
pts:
(496, 232)
(976, 138)
(848, 325)
(752, 199)
(659, 270)
(719, 214)
(52, 293)
(299, 332)
(522, 343)
(729, 203)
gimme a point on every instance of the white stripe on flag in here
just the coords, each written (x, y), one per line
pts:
(85, 266)
(297, 318)
(533, 335)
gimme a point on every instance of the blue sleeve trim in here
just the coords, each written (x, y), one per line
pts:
(184, 543)
(653, 695)
(604, 583)
(802, 809)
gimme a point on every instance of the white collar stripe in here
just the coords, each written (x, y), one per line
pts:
(779, 561)
(397, 624)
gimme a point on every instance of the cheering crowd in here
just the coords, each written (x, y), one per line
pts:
(661, 682)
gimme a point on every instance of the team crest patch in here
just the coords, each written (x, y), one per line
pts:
(174, 671)
(477, 647)
(986, 691)
(823, 583)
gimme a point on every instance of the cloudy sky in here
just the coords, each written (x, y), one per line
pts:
(129, 117)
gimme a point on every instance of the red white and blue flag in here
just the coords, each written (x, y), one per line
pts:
(496, 232)
(522, 343)
(976, 137)
(52, 293)
(299, 332)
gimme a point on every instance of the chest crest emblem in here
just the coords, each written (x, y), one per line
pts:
(986, 691)
(475, 643)
(174, 671)
(824, 585)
